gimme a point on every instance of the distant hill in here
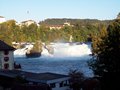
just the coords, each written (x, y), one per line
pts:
(57, 21)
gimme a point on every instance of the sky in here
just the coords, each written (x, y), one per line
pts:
(39, 10)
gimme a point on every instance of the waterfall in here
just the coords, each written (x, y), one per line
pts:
(60, 50)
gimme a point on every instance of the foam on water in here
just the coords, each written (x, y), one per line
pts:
(21, 52)
(66, 56)
(60, 50)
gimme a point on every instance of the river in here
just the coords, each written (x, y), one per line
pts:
(66, 57)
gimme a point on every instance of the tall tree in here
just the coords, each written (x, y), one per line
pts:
(106, 61)
(76, 79)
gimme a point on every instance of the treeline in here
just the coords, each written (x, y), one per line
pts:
(81, 30)
(106, 56)
(82, 22)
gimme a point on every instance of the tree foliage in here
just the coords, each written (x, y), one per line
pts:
(106, 60)
(81, 30)
(76, 79)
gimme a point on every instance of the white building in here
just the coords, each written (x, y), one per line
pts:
(55, 27)
(67, 23)
(2, 19)
(6, 56)
(28, 22)
(58, 27)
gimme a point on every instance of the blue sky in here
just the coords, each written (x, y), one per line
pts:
(38, 10)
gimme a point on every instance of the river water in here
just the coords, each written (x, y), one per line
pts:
(66, 57)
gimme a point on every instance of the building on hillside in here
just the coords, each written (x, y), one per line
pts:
(7, 57)
(54, 81)
(28, 22)
(59, 26)
(2, 19)
(55, 27)
(67, 24)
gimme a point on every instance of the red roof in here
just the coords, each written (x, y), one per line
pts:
(4, 46)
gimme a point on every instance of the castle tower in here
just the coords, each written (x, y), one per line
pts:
(6, 56)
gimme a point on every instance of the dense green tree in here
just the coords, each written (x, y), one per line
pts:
(6, 31)
(81, 30)
(106, 60)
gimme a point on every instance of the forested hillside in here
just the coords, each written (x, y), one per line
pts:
(56, 21)
(81, 30)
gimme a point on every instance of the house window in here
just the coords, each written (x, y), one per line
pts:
(6, 59)
(6, 66)
(52, 85)
(6, 52)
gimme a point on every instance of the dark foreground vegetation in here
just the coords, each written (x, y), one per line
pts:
(105, 62)
(20, 83)
(106, 56)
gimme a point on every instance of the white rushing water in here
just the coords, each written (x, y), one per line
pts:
(66, 56)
